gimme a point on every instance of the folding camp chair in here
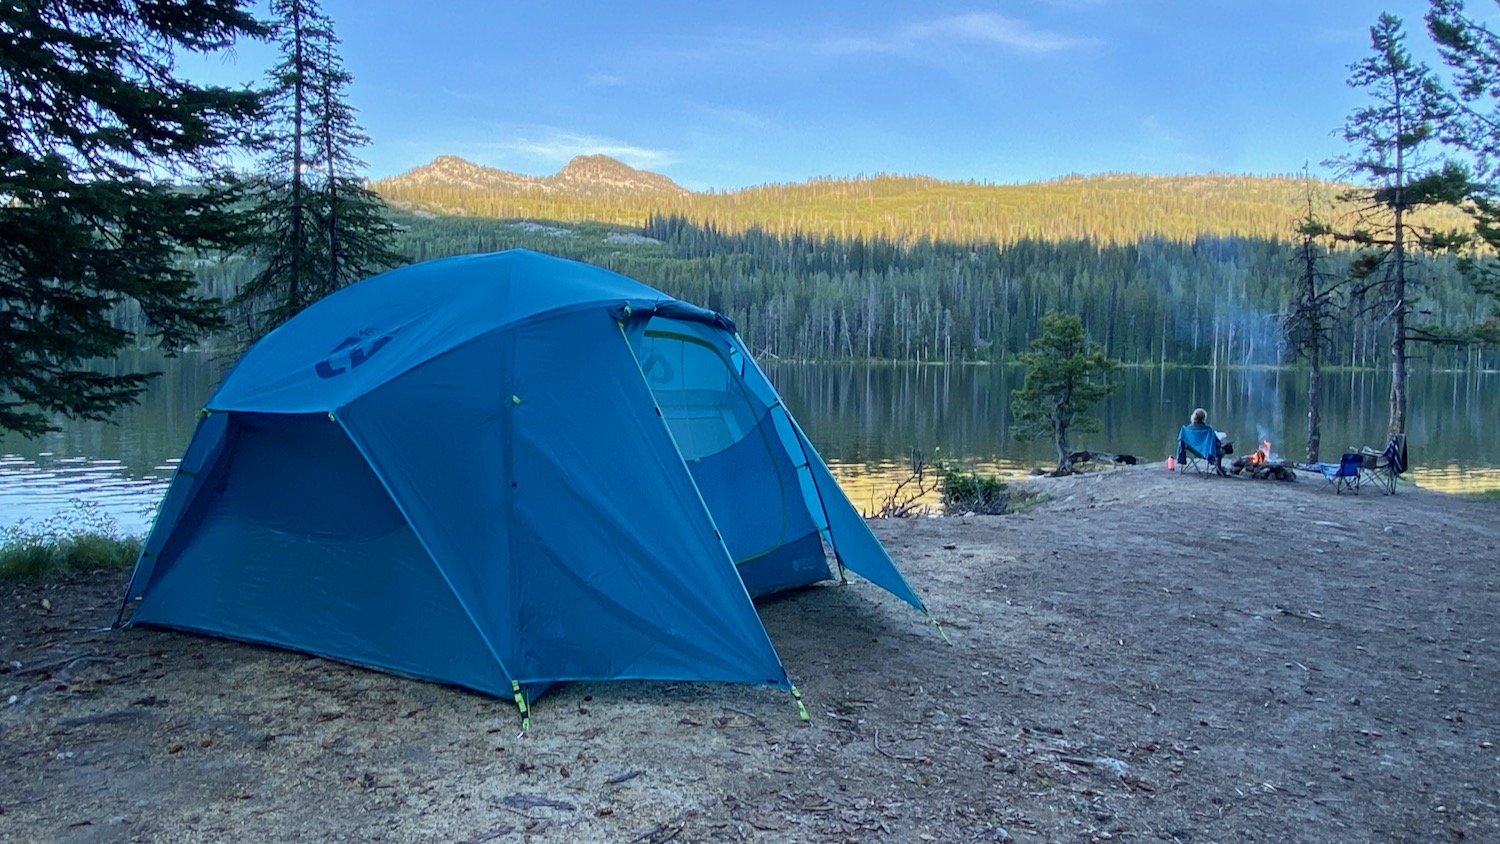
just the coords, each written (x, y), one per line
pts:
(1382, 468)
(1199, 449)
(1344, 474)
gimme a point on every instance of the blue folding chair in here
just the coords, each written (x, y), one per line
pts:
(1199, 449)
(1344, 474)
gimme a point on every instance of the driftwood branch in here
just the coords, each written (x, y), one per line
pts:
(889, 755)
(905, 500)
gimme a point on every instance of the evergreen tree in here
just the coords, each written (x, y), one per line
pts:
(1393, 153)
(109, 172)
(1472, 50)
(1066, 373)
(321, 229)
(356, 229)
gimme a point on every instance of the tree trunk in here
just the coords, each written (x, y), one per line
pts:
(1060, 434)
(298, 222)
(1398, 291)
(1312, 341)
(1398, 367)
(1109, 319)
(1314, 401)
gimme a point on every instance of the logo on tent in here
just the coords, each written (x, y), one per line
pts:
(656, 369)
(352, 352)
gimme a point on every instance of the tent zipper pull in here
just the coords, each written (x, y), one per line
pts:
(515, 687)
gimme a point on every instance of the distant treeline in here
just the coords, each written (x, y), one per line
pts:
(1112, 209)
(1212, 299)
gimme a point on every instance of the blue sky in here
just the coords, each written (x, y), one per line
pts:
(725, 95)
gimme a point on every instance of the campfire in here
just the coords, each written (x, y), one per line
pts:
(1262, 464)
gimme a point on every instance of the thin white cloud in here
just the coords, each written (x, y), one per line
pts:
(560, 146)
(981, 29)
(737, 117)
(996, 30)
(945, 36)
(1158, 133)
(604, 80)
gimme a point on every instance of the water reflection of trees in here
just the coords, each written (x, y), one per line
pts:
(874, 415)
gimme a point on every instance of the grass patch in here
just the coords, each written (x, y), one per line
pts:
(43, 559)
(970, 492)
(1483, 495)
(83, 539)
(959, 490)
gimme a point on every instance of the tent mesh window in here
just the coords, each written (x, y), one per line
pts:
(728, 438)
(705, 404)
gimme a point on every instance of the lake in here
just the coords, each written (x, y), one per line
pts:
(865, 419)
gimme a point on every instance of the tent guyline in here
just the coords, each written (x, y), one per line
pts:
(538, 471)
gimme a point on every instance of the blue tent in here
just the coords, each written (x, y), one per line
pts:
(501, 471)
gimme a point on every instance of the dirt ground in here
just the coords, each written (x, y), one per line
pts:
(1143, 657)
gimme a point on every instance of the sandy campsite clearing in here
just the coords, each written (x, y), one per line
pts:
(1143, 657)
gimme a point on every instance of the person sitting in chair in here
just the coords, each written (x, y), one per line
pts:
(1203, 441)
(1199, 420)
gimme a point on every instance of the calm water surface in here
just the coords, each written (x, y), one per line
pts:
(865, 419)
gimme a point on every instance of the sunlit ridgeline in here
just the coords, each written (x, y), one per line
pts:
(1109, 209)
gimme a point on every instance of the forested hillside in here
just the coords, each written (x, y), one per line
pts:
(1110, 209)
(1205, 300)
(1187, 269)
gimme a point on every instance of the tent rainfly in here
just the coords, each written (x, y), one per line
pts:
(501, 472)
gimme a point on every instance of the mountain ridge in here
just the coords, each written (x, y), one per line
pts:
(583, 176)
(582, 169)
(1106, 208)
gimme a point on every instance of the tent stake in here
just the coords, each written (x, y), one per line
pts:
(515, 687)
(940, 630)
(801, 709)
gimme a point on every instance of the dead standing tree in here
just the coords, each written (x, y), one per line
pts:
(1309, 323)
